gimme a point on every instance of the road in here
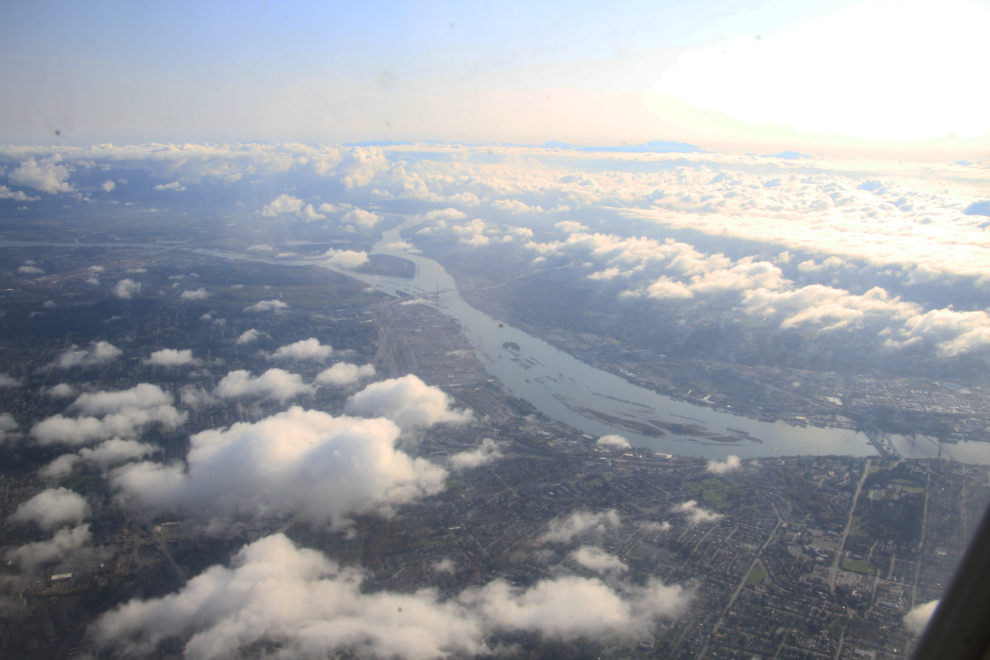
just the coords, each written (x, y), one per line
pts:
(833, 572)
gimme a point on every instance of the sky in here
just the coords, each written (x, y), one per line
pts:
(726, 75)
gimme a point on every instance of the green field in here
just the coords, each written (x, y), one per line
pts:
(757, 575)
(857, 566)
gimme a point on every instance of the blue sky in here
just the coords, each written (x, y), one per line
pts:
(490, 72)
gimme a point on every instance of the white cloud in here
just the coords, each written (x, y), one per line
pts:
(305, 461)
(196, 397)
(62, 390)
(114, 450)
(142, 395)
(653, 527)
(125, 414)
(311, 606)
(344, 373)
(53, 508)
(669, 289)
(261, 247)
(580, 523)
(407, 401)
(485, 453)
(918, 616)
(170, 357)
(126, 288)
(127, 423)
(273, 384)
(16, 195)
(98, 353)
(289, 205)
(108, 186)
(174, 186)
(449, 213)
(360, 166)
(445, 565)
(570, 227)
(59, 468)
(266, 306)
(344, 258)
(7, 426)
(47, 176)
(361, 218)
(247, 337)
(514, 206)
(195, 294)
(596, 559)
(30, 270)
(616, 441)
(305, 349)
(64, 542)
(695, 514)
(730, 464)
(8, 381)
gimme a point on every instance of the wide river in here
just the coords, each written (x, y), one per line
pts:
(560, 385)
(600, 403)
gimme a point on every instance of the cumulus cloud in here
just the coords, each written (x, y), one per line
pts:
(409, 402)
(16, 195)
(114, 450)
(47, 176)
(569, 226)
(8, 381)
(64, 542)
(142, 395)
(108, 186)
(174, 186)
(486, 453)
(7, 426)
(305, 349)
(953, 332)
(653, 527)
(195, 294)
(344, 258)
(170, 357)
(125, 414)
(53, 508)
(344, 373)
(580, 523)
(98, 353)
(289, 205)
(918, 616)
(361, 218)
(360, 165)
(273, 384)
(730, 464)
(126, 288)
(695, 514)
(62, 390)
(309, 605)
(308, 461)
(30, 270)
(613, 441)
(196, 397)
(445, 565)
(514, 206)
(596, 559)
(248, 336)
(266, 306)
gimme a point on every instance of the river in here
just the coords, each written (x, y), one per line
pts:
(598, 402)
